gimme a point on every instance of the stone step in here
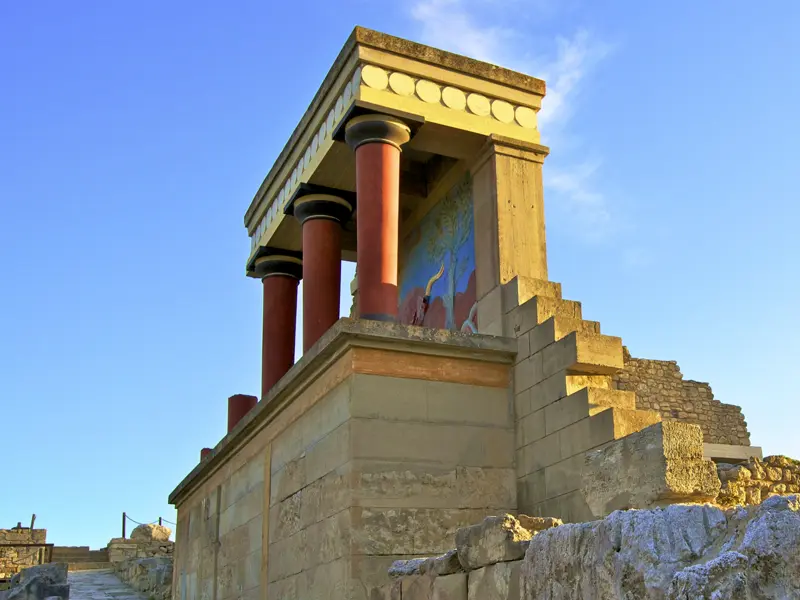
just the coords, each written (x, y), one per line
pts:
(521, 289)
(584, 354)
(88, 566)
(584, 403)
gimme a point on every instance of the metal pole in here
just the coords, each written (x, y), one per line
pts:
(33, 520)
(159, 521)
(123, 525)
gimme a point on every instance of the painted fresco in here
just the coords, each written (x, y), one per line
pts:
(437, 265)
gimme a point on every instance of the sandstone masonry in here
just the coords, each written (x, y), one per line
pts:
(15, 558)
(660, 387)
(756, 480)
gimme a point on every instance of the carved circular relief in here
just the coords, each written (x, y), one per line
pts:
(454, 98)
(356, 81)
(374, 77)
(478, 105)
(526, 117)
(401, 84)
(428, 91)
(503, 111)
(348, 92)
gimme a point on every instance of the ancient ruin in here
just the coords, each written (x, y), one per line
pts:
(463, 387)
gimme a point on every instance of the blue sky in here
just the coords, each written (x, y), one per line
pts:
(134, 135)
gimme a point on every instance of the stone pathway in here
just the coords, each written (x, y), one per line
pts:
(100, 585)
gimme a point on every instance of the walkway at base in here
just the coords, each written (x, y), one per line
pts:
(100, 585)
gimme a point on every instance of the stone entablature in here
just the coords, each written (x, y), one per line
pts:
(660, 387)
(392, 74)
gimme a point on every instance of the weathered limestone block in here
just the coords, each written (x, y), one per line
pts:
(681, 552)
(755, 480)
(39, 583)
(446, 564)
(536, 524)
(389, 591)
(152, 576)
(450, 587)
(496, 539)
(151, 533)
(417, 587)
(661, 464)
(500, 581)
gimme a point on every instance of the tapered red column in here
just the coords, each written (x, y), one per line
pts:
(280, 271)
(376, 140)
(321, 213)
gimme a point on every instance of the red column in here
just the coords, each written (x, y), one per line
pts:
(377, 140)
(238, 406)
(322, 277)
(278, 333)
(280, 271)
(321, 212)
(204, 452)
(378, 191)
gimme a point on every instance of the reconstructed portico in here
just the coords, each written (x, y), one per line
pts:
(464, 386)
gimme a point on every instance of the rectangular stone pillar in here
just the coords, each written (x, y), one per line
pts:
(509, 213)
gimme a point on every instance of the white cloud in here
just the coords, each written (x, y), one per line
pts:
(563, 61)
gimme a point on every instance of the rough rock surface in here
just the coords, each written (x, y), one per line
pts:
(40, 582)
(496, 539)
(755, 480)
(152, 576)
(151, 533)
(659, 465)
(681, 552)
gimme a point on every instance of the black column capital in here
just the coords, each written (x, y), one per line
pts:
(317, 202)
(269, 261)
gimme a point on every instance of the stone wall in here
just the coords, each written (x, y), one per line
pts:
(681, 552)
(368, 455)
(660, 387)
(151, 576)
(756, 480)
(13, 559)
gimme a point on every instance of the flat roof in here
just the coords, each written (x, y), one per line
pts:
(401, 47)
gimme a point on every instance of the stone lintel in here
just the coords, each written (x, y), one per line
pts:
(730, 453)
(371, 347)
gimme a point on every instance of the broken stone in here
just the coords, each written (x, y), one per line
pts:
(535, 524)
(403, 568)
(496, 539)
(151, 533)
(446, 564)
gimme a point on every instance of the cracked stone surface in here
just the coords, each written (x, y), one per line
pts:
(100, 585)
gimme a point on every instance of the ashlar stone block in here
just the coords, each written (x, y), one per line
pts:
(496, 539)
(500, 581)
(661, 464)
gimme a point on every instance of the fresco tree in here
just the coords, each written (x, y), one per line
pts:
(452, 228)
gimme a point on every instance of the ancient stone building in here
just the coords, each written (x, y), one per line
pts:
(464, 386)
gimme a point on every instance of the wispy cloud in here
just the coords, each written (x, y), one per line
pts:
(563, 61)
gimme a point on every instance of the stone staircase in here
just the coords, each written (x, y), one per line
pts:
(81, 558)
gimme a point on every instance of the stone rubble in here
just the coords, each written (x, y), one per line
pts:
(39, 583)
(756, 480)
(151, 576)
(680, 552)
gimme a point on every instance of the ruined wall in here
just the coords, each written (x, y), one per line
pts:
(13, 559)
(680, 552)
(659, 386)
(757, 480)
